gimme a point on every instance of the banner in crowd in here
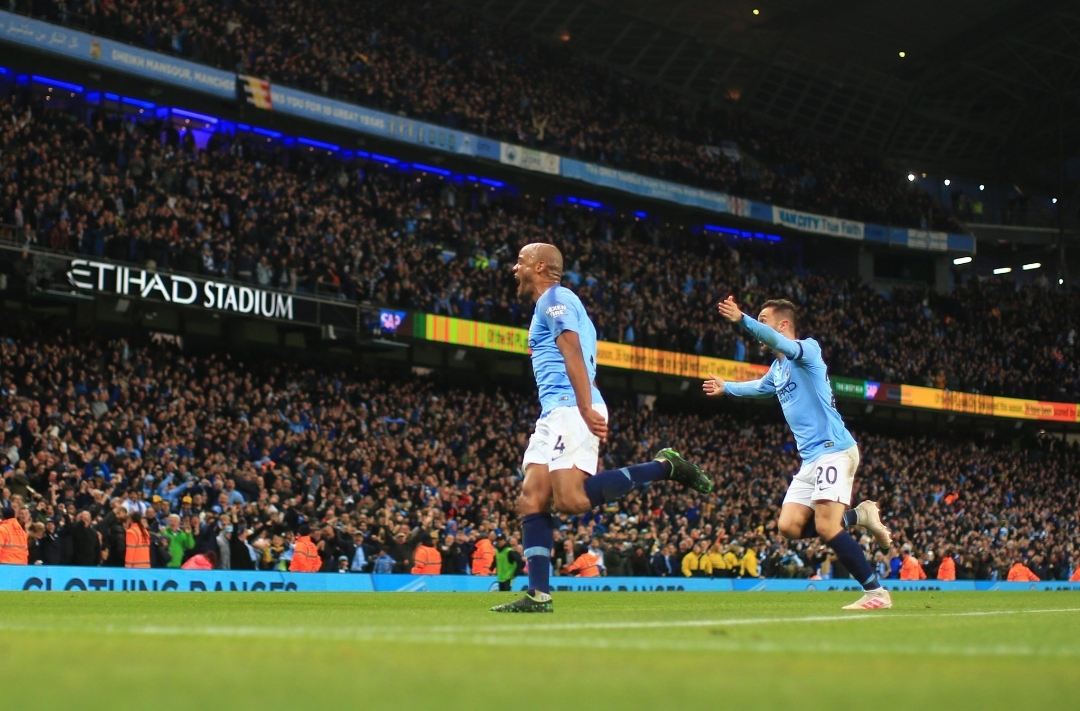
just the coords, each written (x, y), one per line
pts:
(509, 339)
(197, 77)
(529, 159)
(116, 55)
(254, 91)
(644, 186)
(818, 224)
(350, 116)
(58, 578)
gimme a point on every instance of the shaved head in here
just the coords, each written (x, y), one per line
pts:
(539, 266)
(550, 256)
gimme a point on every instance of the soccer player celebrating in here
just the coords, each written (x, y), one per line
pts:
(561, 460)
(819, 494)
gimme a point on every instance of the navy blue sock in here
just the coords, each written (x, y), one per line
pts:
(616, 483)
(851, 517)
(537, 538)
(849, 553)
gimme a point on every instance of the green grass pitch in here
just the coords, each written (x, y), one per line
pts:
(598, 651)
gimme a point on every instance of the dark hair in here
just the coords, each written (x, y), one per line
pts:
(785, 308)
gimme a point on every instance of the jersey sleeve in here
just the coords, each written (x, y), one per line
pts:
(762, 387)
(768, 336)
(559, 310)
(809, 352)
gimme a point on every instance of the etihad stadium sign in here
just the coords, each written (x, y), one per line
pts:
(126, 281)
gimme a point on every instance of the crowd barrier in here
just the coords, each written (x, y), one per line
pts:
(29, 32)
(68, 578)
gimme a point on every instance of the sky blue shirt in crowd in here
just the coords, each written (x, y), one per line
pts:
(558, 309)
(801, 382)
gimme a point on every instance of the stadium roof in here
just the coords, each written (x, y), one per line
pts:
(980, 89)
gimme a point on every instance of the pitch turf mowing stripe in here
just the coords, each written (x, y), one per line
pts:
(573, 642)
(548, 635)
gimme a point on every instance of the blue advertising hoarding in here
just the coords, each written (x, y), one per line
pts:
(57, 578)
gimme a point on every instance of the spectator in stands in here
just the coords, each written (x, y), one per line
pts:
(586, 565)
(664, 563)
(910, 567)
(917, 336)
(466, 73)
(483, 555)
(305, 553)
(1020, 573)
(201, 561)
(426, 557)
(696, 563)
(385, 479)
(508, 563)
(947, 569)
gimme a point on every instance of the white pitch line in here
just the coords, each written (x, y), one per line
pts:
(565, 642)
(491, 635)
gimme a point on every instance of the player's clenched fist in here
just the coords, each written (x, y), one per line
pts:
(596, 422)
(713, 386)
(730, 310)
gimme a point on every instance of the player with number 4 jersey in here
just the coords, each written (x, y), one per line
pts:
(561, 460)
(817, 499)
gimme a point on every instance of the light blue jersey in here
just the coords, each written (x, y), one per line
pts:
(801, 382)
(558, 309)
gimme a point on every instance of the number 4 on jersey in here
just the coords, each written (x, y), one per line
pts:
(559, 446)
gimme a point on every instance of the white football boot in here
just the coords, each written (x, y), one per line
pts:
(868, 517)
(872, 600)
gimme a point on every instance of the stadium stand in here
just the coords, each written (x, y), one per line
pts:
(262, 444)
(138, 192)
(432, 63)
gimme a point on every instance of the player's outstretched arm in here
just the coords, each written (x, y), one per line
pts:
(781, 344)
(570, 347)
(716, 386)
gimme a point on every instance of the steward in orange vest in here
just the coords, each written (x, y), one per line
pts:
(911, 568)
(137, 543)
(305, 557)
(947, 569)
(15, 535)
(483, 557)
(1020, 573)
(586, 565)
(426, 558)
(1075, 577)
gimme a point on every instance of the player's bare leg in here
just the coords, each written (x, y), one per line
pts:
(568, 491)
(797, 521)
(534, 506)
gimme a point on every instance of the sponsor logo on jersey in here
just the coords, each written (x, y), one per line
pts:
(556, 311)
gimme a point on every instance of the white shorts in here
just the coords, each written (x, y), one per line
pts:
(827, 478)
(562, 440)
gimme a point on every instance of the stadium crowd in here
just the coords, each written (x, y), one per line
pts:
(430, 62)
(225, 461)
(294, 220)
